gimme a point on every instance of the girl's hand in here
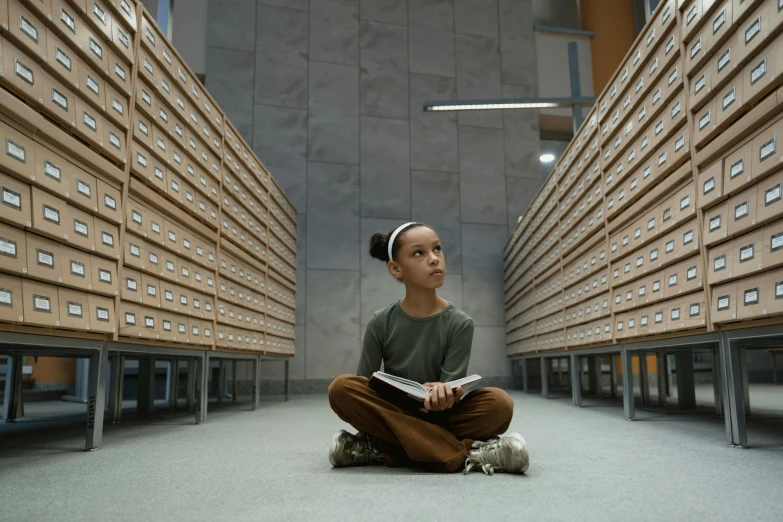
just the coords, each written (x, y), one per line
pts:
(442, 398)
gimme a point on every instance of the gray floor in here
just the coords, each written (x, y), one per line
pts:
(586, 464)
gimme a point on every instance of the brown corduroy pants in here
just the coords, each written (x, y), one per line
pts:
(435, 441)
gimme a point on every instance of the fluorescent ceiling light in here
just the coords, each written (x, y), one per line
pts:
(547, 158)
(492, 106)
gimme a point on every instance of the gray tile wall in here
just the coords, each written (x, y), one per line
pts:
(329, 94)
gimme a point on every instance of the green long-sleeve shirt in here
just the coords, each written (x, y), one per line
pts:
(430, 349)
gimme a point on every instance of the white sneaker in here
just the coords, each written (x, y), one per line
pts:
(507, 453)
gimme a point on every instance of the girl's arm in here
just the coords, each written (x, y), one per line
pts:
(455, 365)
(372, 350)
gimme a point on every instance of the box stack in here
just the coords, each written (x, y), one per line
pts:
(66, 77)
(633, 250)
(132, 208)
(735, 60)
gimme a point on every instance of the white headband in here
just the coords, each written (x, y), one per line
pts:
(394, 236)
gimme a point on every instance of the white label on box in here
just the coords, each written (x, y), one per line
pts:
(114, 140)
(719, 263)
(83, 188)
(178, 129)
(653, 254)
(161, 144)
(669, 45)
(7, 247)
(752, 296)
(15, 151)
(166, 325)
(119, 71)
(165, 85)
(647, 172)
(181, 328)
(724, 302)
(621, 195)
(89, 121)
(659, 127)
(158, 173)
(152, 290)
(92, 85)
(772, 194)
(658, 317)
(651, 224)
(737, 169)
(107, 239)
(729, 98)
(617, 142)
(675, 314)
(656, 286)
(169, 266)
(639, 261)
(695, 309)
(709, 185)
(183, 299)
(80, 228)
(174, 186)
(642, 113)
(131, 284)
(673, 77)
(724, 59)
(63, 58)
(619, 326)
(639, 85)
(700, 84)
(662, 158)
(692, 12)
(153, 258)
(746, 253)
(104, 275)
(74, 309)
(653, 66)
(45, 258)
(685, 202)
(634, 183)
(758, 72)
(614, 247)
(768, 149)
(637, 233)
(656, 96)
(146, 97)
(776, 242)
(642, 290)
(168, 295)
(77, 268)
(688, 237)
(719, 21)
(6, 297)
(625, 241)
(753, 30)
(134, 250)
(123, 38)
(676, 109)
(51, 214)
(67, 20)
(96, 48)
(779, 290)
(117, 106)
(705, 120)
(155, 227)
(627, 268)
(741, 210)
(41, 304)
(149, 322)
(691, 273)
(53, 171)
(141, 159)
(185, 272)
(670, 246)
(627, 102)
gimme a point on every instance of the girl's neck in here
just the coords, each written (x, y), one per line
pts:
(422, 302)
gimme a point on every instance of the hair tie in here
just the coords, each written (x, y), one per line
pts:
(394, 236)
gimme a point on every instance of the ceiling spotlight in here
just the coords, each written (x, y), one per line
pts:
(547, 158)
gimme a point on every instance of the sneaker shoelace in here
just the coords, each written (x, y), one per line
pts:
(364, 451)
(488, 456)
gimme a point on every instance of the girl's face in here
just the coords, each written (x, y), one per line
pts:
(420, 260)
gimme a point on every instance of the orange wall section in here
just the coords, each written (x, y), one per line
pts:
(53, 370)
(612, 22)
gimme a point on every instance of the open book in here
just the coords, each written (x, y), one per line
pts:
(391, 384)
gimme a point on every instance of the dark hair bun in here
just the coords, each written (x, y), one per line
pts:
(379, 246)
